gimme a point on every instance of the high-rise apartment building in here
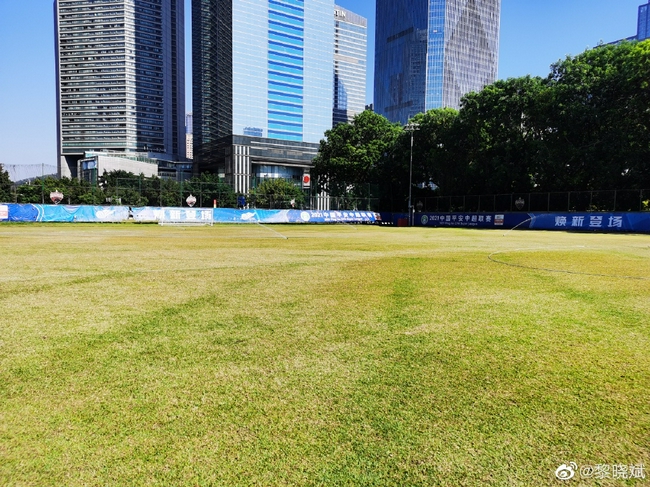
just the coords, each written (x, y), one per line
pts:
(120, 79)
(350, 65)
(262, 86)
(429, 53)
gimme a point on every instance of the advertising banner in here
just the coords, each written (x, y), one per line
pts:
(231, 215)
(637, 222)
(469, 220)
(594, 222)
(175, 215)
(63, 213)
(68, 213)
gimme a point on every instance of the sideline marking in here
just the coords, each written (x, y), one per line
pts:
(564, 271)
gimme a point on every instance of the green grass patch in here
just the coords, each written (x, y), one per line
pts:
(343, 355)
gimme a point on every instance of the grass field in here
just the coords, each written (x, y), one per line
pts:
(344, 355)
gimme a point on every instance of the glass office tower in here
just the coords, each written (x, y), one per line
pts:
(429, 53)
(262, 94)
(350, 54)
(120, 78)
(643, 24)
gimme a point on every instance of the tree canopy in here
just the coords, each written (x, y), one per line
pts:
(125, 188)
(277, 193)
(352, 155)
(586, 126)
(5, 185)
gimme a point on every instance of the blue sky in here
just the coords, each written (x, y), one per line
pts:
(534, 34)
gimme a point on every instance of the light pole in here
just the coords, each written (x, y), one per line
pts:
(411, 127)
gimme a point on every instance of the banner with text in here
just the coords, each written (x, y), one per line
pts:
(68, 213)
(63, 213)
(595, 222)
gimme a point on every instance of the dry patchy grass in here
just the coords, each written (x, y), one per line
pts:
(147, 355)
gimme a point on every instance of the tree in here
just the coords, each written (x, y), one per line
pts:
(5, 186)
(435, 151)
(350, 156)
(601, 120)
(38, 190)
(208, 188)
(503, 127)
(123, 188)
(277, 193)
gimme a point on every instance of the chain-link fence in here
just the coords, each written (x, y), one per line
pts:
(168, 193)
(344, 203)
(585, 201)
(307, 202)
(126, 191)
(141, 191)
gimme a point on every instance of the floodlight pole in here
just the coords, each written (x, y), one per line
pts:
(411, 127)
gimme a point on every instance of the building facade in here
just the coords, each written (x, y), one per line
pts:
(350, 64)
(120, 79)
(189, 136)
(262, 86)
(642, 26)
(429, 53)
(643, 23)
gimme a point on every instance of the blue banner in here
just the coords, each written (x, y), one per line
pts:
(174, 215)
(594, 222)
(591, 222)
(63, 213)
(230, 215)
(470, 220)
(67, 213)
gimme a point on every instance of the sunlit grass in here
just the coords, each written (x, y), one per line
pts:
(343, 355)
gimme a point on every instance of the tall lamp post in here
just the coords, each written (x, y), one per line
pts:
(411, 127)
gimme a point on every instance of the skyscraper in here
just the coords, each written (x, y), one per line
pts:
(642, 26)
(120, 78)
(262, 94)
(189, 137)
(429, 53)
(643, 23)
(350, 53)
